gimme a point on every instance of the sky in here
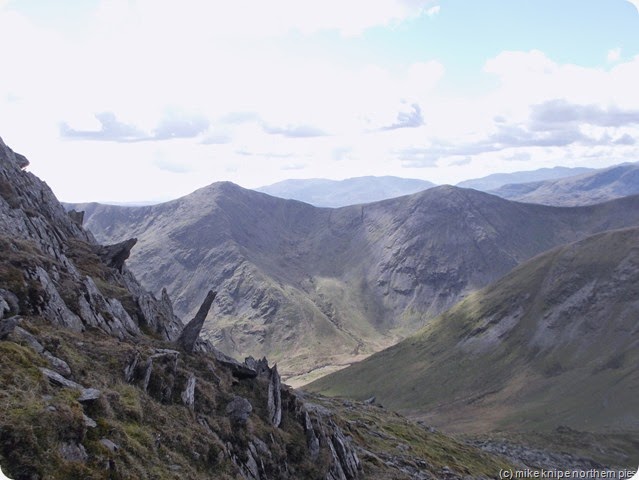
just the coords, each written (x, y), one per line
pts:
(148, 100)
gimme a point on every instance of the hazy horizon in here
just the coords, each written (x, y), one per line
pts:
(137, 101)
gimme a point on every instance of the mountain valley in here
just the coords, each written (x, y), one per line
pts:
(315, 289)
(100, 380)
(552, 343)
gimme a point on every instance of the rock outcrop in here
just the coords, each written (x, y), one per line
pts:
(115, 255)
(191, 332)
(274, 404)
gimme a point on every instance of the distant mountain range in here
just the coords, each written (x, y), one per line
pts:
(322, 192)
(553, 343)
(586, 189)
(317, 287)
(496, 180)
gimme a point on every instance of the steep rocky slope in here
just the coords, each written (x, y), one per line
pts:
(586, 189)
(554, 343)
(101, 380)
(310, 287)
(322, 192)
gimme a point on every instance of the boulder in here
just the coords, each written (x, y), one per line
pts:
(86, 394)
(89, 422)
(239, 409)
(57, 379)
(20, 335)
(57, 364)
(89, 395)
(110, 445)
(9, 305)
(7, 326)
(107, 314)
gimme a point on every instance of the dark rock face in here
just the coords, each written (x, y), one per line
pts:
(191, 331)
(115, 255)
(259, 366)
(157, 375)
(77, 217)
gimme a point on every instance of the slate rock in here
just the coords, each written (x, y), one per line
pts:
(274, 402)
(191, 331)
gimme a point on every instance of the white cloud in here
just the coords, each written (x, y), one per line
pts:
(432, 11)
(235, 93)
(614, 55)
(635, 3)
(243, 18)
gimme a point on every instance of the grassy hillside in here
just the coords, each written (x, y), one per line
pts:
(554, 342)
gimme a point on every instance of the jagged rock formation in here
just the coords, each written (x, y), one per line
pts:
(274, 398)
(92, 365)
(114, 255)
(191, 331)
(158, 316)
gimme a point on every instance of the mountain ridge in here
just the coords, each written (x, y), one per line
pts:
(297, 279)
(496, 180)
(586, 189)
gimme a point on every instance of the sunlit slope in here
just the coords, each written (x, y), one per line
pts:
(554, 342)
